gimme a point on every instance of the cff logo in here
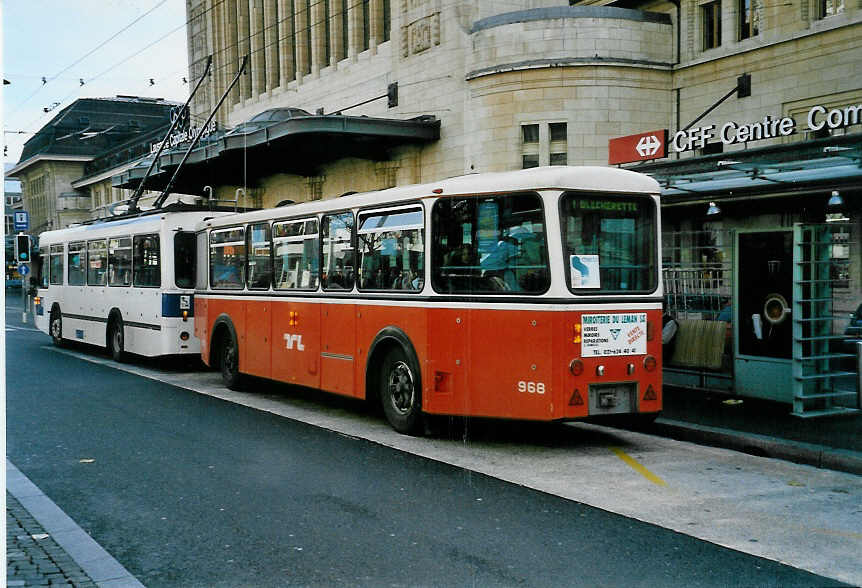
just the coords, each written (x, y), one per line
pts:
(648, 145)
(290, 340)
(640, 147)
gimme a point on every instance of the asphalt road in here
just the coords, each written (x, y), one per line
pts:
(189, 490)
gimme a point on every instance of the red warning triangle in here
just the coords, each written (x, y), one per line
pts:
(650, 393)
(576, 399)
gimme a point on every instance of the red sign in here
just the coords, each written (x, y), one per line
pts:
(650, 145)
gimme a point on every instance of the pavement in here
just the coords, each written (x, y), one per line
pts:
(752, 426)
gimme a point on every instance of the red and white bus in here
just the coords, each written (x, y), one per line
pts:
(532, 294)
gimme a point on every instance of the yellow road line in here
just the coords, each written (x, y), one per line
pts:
(632, 463)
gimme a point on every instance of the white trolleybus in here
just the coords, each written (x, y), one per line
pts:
(532, 294)
(124, 283)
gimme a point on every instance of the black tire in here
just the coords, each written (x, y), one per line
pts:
(229, 362)
(55, 327)
(116, 340)
(401, 392)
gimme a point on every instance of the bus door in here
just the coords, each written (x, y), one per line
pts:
(258, 313)
(295, 346)
(337, 316)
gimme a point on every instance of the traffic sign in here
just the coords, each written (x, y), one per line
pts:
(640, 147)
(23, 269)
(21, 220)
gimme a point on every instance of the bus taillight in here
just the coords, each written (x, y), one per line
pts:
(576, 367)
(649, 363)
(184, 336)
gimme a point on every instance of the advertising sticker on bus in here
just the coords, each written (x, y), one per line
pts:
(614, 334)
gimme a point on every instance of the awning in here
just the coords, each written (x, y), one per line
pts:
(298, 146)
(779, 170)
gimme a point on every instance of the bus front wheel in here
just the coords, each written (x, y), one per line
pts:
(400, 393)
(230, 363)
(56, 327)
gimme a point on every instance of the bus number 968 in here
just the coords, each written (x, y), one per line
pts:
(531, 387)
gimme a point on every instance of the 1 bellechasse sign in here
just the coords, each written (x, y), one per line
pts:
(640, 147)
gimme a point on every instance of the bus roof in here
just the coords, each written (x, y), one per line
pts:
(586, 178)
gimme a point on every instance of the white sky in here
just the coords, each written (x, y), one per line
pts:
(45, 37)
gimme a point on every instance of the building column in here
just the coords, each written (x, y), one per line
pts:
(272, 43)
(242, 32)
(286, 45)
(258, 57)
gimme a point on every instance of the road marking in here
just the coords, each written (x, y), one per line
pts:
(638, 467)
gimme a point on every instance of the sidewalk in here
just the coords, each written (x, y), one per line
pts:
(761, 428)
(33, 558)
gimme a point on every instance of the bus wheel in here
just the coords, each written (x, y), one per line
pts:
(56, 327)
(400, 393)
(230, 363)
(116, 341)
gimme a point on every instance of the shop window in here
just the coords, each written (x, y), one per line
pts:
(711, 24)
(748, 19)
(831, 8)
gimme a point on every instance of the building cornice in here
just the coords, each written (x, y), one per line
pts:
(22, 165)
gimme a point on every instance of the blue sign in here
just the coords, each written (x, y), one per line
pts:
(21, 220)
(23, 269)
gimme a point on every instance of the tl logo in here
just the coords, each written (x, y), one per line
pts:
(290, 340)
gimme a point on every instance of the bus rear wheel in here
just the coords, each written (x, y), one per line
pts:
(116, 343)
(56, 327)
(229, 360)
(401, 393)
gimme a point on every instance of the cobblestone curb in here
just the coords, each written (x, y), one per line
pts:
(33, 558)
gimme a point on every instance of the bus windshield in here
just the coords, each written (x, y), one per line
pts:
(609, 243)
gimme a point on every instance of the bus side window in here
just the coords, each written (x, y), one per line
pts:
(120, 261)
(56, 271)
(77, 252)
(146, 267)
(391, 249)
(227, 258)
(296, 246)
(338, 256)
(259, 273)
(44, 265)
(97, 262)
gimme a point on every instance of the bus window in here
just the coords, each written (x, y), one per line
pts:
(391, 250)
(490, 245)
(184, 259)
(42, 262)
(227, 258)
(201, 266)
(297, 247)
(609, 243)
(146, 258)
(338, 265)
(120, 261)
(56, 271)
(259, 273)
(77, 251)
(97, 263)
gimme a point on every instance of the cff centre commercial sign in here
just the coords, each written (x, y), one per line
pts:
(634, 147)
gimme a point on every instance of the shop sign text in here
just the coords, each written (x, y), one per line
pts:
(730, 133)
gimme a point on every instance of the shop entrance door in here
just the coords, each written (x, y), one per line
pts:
(763, 325)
